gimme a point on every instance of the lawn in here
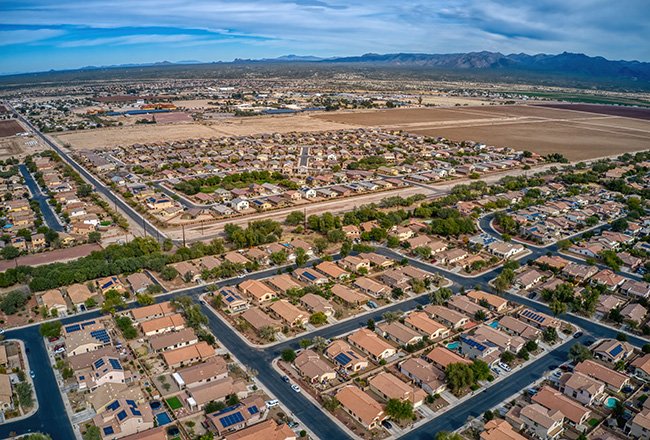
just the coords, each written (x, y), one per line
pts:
(174, 403)
(593, 422)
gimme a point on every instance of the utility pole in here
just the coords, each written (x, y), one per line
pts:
(183, 235)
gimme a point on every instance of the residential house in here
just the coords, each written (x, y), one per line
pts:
(608, 278)
(344, 357)
(552, 399)
(257, 290)
(163, 324)
(581, 387)
(154, 311)
(448, 317)
(233, 301)
(441, 357)
(421, 322)
(429, 377)
(494, 302)
(537, 319)
(348, 296)
(288, 313)
(267, 430)
(389, 387)
(316, 303)
(371, 344)
(213, 369)
(332, 270)
(611, 350)
(187, 355)
(361, 406)
(371, 287)
(123, 417)
(139, 282)
(545, 424)
(614, 380)
(398, 332)
(310, 365)
(54, 302)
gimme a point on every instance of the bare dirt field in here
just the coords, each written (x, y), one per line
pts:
(626, 112)
(400, 116)
(126, 135)
(20, 146)
(10, 127)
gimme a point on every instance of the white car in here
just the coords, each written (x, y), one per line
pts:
(60, 350)
(504, 366)
(241, 275)
(272, 403)
(296, 388)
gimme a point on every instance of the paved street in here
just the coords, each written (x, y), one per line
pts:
(46, 209)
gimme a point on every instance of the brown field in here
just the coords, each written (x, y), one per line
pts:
(402, 116)
(611, 110)
(10, 127)
(126, 135)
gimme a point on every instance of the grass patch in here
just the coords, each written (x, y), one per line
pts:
(174, 403)
(643, 398)
(593, 422)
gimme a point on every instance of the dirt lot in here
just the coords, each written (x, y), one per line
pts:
(10, 127)
(107, 137)
(626, 112)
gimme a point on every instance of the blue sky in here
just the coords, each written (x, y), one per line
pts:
(38, 35)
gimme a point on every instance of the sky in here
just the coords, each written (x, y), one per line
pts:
(39, 35)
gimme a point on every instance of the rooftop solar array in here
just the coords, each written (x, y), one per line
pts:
(121, 415)
(475, 344)
(108, 430)
(253, 410)
(616, 350)
(76, 327)
(232, 419)
(533, 316)
(113, 406)
(342, 358)
(99, 363)
(101, 336)
(309, 276)
(115, 364)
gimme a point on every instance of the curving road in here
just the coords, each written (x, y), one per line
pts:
(46, 209)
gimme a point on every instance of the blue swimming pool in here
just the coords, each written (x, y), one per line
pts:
(494, 324)
(609, 403)
(453, 345)
(155, 404)
(163, 418)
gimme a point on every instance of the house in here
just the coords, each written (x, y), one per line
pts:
(351, 232)
(499, 429)
(342, 355)
(634, 287)
(316, 303)
(267, 430)
(477, 347)
(110, 283)
(579, 271)
(187, 355)
(448, 317)
(463, 304)
(513, 326)
(332, 270)
(398, 332)
(163, 324)
(78, 294)
(421, 322)
(505, 250)
(283, 283)
(493, 302)
(54, 302)
(607, 278)
(233, 301)
(215, 390)
(309, 276)
(552, 399)
(503, 341)
(348, 296)
(430, 378)
(614, 380)
(310, 365)
(581, 387)
(441, 357)
(258, 319)
(451, 256)
(396, 279)
(236, 258)
(85, 337)
(354, 264)
(634, 312)
(239, 204)
(288, 313)
(104, 370)
(257, 290)
(371, 287)
(611, 350)
(5, 393)
(139, 282)
(537, 319)
(641, 367)
(638, 427)
(528, 278)
(158, 310)
(170, 341)
(213, 369)
(123, 417)
(361, 406)
(246, 413)
(389, 387)
(371, 344)
(542, 423)
(555, 262)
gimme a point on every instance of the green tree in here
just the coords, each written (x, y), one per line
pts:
(392, 241)
(13, 301)
(507, 357)
(278, 257)
(392, 316)
(295, 218)
(563, 244)
(145, 299)
(331, 403)
(167, 245)
(557, 307)
(480, 369)
(423, 251)
(94, 237)
(346, 247)
(550, 334)
(318, 318)
(459, 375)
(444, 435)
(9, 252)
(319, 343)
(25, 394)
(301, 257)
(168, 273)
(288, 355)
(399, 410)
(580, 353)
(51, 329)
(370, 324)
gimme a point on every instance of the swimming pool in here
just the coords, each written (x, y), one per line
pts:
(494, 324)
(453, 345)
(163, 418)
(609, 403)
(155, 404)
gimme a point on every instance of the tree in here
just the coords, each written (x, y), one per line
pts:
(301, 256)
(620, 225)
(392, 241)
(233, 399)
(318, 318)
(112, 304)
(167, 245)
(550, 334)
(85, 189)
(295, 218)
(9, 252)
(480, 315)
(168, 273)
(346, 247)
(278, 257)
(437, 297)
(480, 369)
(214, 406)
(444, 435)
(319, 343)
(611, 259)
(124, 323)
(336, 235)
(331, 403)
(392, 316)
(92, 433)
(507, 357)
(145, 299)
(618, 410)
(13, 301)
(523, 353)
(39, 436)
(459, 375)
(500, 285)
(579, 353)
(321, 244)
(557, 307)
(621, 337)
(370, 324)
(531, 346)
(422, 251)
(399, 410)
(267, 332)
(25, 394)
(94, 237)
(50, 329)
(90, 303)
(563, 244)
(288, 355)
(646, 348)
(488, 415)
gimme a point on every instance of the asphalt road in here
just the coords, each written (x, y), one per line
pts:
(46, 209)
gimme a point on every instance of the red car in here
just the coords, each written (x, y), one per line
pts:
(53, 339)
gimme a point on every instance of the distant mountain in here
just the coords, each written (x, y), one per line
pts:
(575, 63)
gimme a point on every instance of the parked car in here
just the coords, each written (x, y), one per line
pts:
(578, 334)
(285, 378)
(272, 403)
(296, 388)
(588, 342)
(372, 304)
(504, 366)
(293, 424)
(31, 373)
(202, 302)
(53, 339)
(386, 424)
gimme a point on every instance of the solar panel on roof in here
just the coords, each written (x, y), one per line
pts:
(130, 402)
(136, 412)
(231, 419)
(342, 358)
(115, 364)
(101, 336)
(253, 410)
(616, 350)
(72, 328)
(309, 276)
(108, 430)
(113, 406)
(121, 415)
(99, 363)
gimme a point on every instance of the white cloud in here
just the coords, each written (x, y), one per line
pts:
(23, 36)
